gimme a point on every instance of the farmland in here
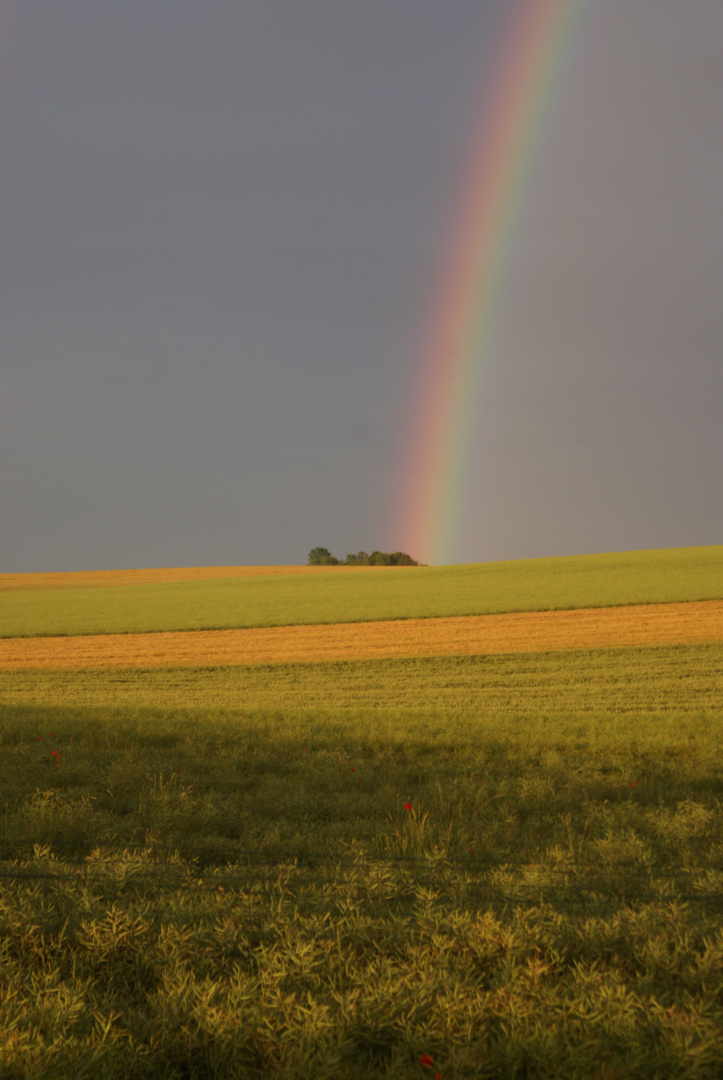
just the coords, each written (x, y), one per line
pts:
(504, 860)
(686, 677)
(642, 624)
(94, 579)
(362, 594)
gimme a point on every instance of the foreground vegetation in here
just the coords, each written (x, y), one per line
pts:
(286, 894)
(358, 594)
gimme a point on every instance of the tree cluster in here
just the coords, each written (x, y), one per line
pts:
(320, 556)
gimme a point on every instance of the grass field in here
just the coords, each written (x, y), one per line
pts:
(681, 677)
(502, 865)
(285, 894)
(360, 594)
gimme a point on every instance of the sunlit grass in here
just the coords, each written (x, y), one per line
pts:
(652, 677)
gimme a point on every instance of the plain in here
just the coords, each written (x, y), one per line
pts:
(486, 866)
(361, 594)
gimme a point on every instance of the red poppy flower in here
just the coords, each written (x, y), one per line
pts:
(353, 769)
(426, 1061)
(407, 806)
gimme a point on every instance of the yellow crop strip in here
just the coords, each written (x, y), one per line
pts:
(539, 631)
(88, 579)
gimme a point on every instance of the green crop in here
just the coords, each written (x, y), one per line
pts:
(652, 677)
(352, 596)
(367, 894)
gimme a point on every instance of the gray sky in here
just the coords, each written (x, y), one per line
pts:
(222, 224)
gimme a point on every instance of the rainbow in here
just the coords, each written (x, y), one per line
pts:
(506, 151)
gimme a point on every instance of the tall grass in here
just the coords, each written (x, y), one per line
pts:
(383, 894)
(354, 596)
(243, 785)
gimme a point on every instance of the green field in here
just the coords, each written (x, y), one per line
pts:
(272, 894)
(505, 866)
(653, 677)
(351, 595)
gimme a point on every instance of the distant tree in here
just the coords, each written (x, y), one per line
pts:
(400, 558)
(360, 559)
(320, 556)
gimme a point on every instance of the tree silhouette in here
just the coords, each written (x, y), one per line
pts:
(321, 556)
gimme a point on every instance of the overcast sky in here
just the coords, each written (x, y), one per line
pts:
(222, 225)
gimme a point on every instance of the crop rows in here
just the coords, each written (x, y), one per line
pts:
(525, 632)
(664, 677)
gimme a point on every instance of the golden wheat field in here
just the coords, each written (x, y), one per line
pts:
(89, 579)
(587, 628)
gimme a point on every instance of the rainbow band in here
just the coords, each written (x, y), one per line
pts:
(506, 151)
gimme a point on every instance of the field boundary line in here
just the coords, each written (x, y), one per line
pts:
(104, 579)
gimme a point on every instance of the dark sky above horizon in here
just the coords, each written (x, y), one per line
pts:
(222, 225)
